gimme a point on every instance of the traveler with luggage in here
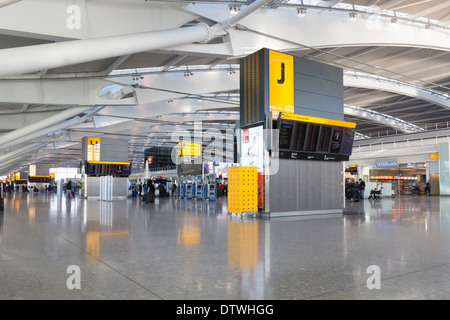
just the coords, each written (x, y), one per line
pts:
(362, 187)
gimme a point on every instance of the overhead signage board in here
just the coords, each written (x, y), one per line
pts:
(434, 156)
(93, 147)
(281, 83)
(189, 149)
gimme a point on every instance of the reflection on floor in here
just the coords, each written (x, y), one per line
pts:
(187, 249)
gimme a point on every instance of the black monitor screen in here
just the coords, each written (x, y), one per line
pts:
(301, 135)
(336, 140)
(286, 129)
(312, 137)
(324, 139)
(126, 170)
(347, 141)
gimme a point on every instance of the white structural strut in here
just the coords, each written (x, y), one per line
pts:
(22, 150)
(230, 22)
(4, 3)
(9, 137)
(53, 55)
(49, 129)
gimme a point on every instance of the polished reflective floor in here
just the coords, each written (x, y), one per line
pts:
(186, 249)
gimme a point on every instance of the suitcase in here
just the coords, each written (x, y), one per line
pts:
(148, 197)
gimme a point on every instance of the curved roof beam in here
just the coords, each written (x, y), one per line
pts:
(382, 118)
(285, 25)
(368, 81)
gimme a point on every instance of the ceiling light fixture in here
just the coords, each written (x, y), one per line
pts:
(301, 12)
(352, 15)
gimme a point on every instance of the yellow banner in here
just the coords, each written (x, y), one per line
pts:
(331, 122)
(434, 156)
(281, 82)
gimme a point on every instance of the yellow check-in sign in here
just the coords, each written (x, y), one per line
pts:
(281, 83)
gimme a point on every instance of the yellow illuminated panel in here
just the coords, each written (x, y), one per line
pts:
(93, 149)
(17, 175)
(32, 170)
(189, 149)
(12, 176)
(331, 122)
(281, 83)
(434, 156)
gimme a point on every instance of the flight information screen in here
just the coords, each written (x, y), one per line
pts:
(314, 141)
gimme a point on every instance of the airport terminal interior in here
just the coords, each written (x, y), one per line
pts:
(224, 150)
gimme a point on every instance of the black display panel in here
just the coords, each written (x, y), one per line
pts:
(312, 137)
(301, 135)
(347, 141)
(286, 135)
(324, 139)
(39, 179)
(313, 141)
(107, 169)
(336, 140)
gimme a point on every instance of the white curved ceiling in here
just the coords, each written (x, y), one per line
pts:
(395, 56)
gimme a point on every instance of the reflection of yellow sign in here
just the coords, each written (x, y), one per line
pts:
(281, 83)
(189, 233)
(93, 153)
(434, 156)
(242, 244)
(189, 149)
(331, 122)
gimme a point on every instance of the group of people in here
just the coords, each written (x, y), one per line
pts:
(378, 188)
(362, 187)
(149, 187)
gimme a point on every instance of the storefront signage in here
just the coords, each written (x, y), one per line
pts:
(386, 163)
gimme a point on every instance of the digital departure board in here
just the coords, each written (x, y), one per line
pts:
(103, 168)
(312, 138)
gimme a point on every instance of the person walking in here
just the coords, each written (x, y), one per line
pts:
(428, 188)
(174, 189)
(140, 190)
(69, 189)
(362, 187)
